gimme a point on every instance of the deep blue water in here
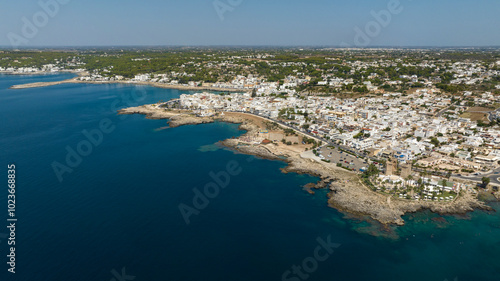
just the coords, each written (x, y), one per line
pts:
(119, 207)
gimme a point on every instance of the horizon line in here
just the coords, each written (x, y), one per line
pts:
(7, 47)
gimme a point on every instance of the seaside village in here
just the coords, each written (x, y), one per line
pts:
(427, 149)
(425, 144)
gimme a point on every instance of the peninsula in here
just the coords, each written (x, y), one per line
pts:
(348, 193)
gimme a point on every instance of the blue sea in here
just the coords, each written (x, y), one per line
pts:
(111, 212)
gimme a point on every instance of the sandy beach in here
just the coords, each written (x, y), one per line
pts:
(347, 192)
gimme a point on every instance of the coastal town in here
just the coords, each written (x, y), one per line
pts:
(419, 127)
(250, 140)
(422, 139)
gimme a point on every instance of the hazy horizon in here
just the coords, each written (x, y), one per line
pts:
(245, 46)
(321, 23)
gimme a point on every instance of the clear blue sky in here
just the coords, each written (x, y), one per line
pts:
(254, 22)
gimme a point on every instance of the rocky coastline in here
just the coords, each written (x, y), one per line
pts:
(347, 193)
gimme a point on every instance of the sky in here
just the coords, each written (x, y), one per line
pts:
(347, 23)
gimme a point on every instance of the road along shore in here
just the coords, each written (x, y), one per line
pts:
(347, 192)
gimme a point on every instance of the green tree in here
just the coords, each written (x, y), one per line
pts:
(485, 181)
(372, 170)
(435, 142)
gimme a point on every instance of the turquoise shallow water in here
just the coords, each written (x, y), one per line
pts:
(118, 208)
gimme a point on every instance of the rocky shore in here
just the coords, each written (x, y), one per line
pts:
(347, 191)
(178, 118)
(153, 84)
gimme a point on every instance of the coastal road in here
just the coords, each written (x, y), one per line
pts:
(338, 157)
(494, 176)
(305, 133)
(491, 114)
(438, 114)
(322, 140)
